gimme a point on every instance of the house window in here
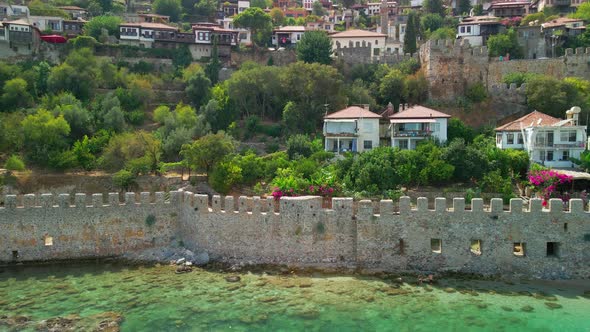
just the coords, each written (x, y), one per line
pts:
(520, 138)
(475, 247)
(518, 249)
(498, 138)
(565, 155)
(568, 136)
(298, 37)
(462, 29)
(376, 42)
(469, 29)
(367, 145)
(549, 155)
(510, 138)
(403, 145)
(552, 249)
(436, 245)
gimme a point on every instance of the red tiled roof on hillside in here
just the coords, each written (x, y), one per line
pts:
(352, 112)
(419, 112)
(356, 33)
(534, 119)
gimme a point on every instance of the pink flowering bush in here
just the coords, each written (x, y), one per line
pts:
(549, 184)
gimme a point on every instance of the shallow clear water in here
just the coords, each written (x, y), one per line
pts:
(157, 299)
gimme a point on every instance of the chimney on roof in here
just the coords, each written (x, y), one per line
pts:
(366, 106)
(401, 107)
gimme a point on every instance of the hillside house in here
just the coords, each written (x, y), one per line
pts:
(244, 35)
(358, 38)
(142, 34)
(287, 35)
(505, 8)
(19, 37)
(13, 12)
(75, 12)
(416, 123)
(478, 29)
(353, 129)
(549, 141)
(48, 23)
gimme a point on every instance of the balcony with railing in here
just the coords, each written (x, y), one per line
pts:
(412, 133)
(175, 37)
(560, 145)
(562, 2)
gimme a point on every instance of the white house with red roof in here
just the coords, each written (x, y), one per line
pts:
(142, 34)
(548, 140)
(413, 124)
(353, 129)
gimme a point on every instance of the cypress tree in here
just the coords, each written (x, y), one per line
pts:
(410, 36)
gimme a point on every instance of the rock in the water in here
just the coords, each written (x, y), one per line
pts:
(552, 305)
(233, 278)
(527, 308)
(201, 259)
(449, 290)
(506, 308)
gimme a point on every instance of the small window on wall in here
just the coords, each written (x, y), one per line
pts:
(552, 249)
(48, 240)
(518, 249)
(565, 155)
(549, 155)
(475, 247)
(498, 138)
(510, 138)
(520, 139)
(436, 245)
(462, 29)
(367, 145)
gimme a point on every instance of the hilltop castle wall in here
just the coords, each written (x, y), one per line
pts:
(250, 230)
(452, 66)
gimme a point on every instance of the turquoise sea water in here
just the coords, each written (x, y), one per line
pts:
(107, 297)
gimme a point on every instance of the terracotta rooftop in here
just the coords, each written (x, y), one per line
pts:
(352, 112)
(560, 22)
(147, 25)
(534, 119)
(356, 33)
(71, 8)
(419, 112)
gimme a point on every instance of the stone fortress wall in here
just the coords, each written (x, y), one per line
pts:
(453, 65)
(397, 238)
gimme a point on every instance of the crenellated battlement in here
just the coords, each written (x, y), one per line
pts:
(402, 235)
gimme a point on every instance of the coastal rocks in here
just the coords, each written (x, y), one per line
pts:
(183, 269)
(17, 322)
(232, 278)
(527, 308)
(166, 255)
(553, 305)
(67, 323)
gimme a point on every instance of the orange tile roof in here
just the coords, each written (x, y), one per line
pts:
(561, 21)
(534, 119)
(419, 112)
(357, 33)
(352, 112)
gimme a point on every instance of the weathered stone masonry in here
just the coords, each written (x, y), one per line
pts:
(305, 234)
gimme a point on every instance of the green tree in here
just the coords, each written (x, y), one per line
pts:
(277, 16)
(505, 44)
(315, 46)
(416, 88)
(111, 114)
(443, 33)
(431, 22)
(75, 114)
(207, 151)
(317, 9)
(44, 135)
(95, 26)
(204, 8)
(534, 17)
(464, 7)
(197, 86)
(411, 34)
(83, 153)
(457, 129)
(170, 8)
(298, 146)
(259, 23)
(225, 175)
(433, 7)
(78, 75)
(583, 12)
(392, 88)
(562, 95)
(124, 179)
(478, 9)
(16, 95)
(213, 67)
(14, 163)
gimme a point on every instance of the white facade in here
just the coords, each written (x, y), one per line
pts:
(7, 10)
(243, 5)
(358, 38)
(287, 35)
(244, 35)
(44, 23)
(308, 5)
(407, 133)
(548, 144)
(351, 135)
(470, 32)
